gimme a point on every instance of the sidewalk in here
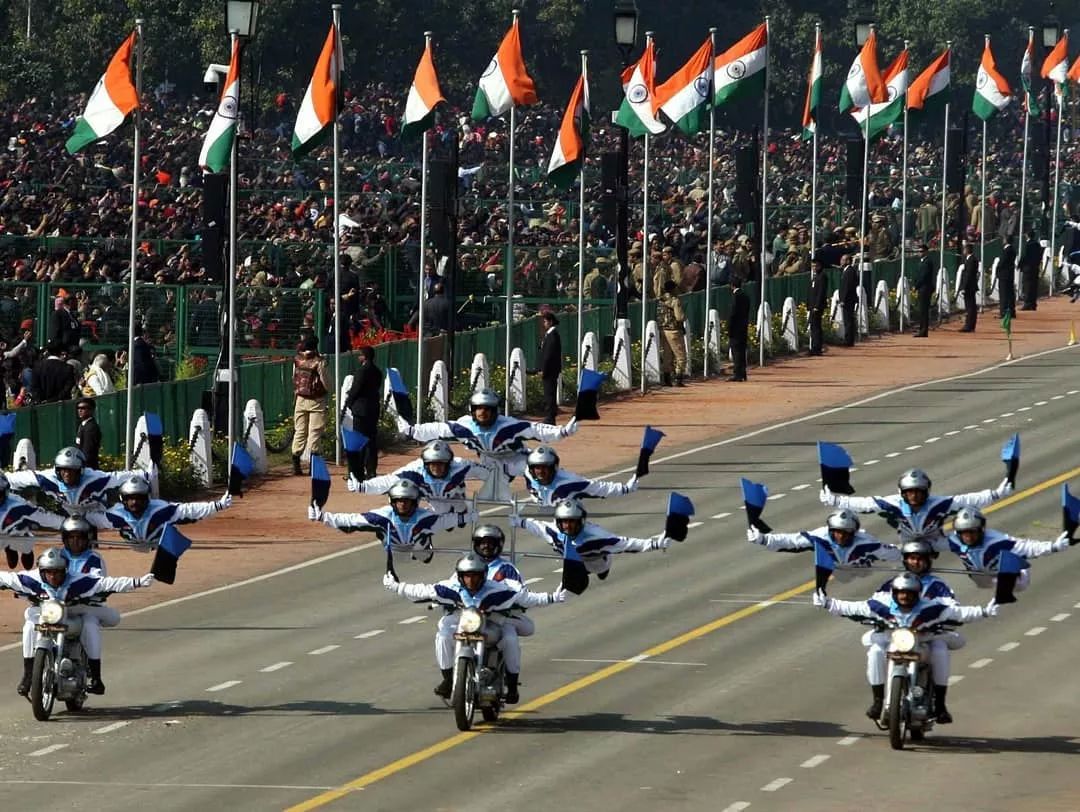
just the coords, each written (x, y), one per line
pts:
(268, 528)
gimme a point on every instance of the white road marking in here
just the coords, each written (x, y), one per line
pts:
(1057, 397)
(952, 433)
(970, 426)
(275, 667)
(169, 785)
(1041, 402)
(847, 741)
(802, 487)
(913, 448)
(990, 420)
(112, 727)
(1007, 414)
(44, 751)
(556, 572)
(892, 454)
(367, 635)
(692, 525)
(1024, 409)
(1037, 630)
(532, 580)
(985, 661)
(775, 784)
(871, 462)
(1073, 392)
(221, 686)
(1061, 617)
(765, 604)
(721, 516)
(636, 659)
(414, 619)
(774, 496)
(738, 806)
(955, 678)
(745, 601)
(324, 650)
(1008, 646)
(929, 440)
(1076, 606)
(814, 761)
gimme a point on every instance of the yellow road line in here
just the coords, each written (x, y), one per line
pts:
(367, 779)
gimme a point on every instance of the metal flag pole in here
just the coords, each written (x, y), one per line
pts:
(709, 254)
(336, 9)
(129, 430)
(235, 40)
(982, 212)
(581, 223)
(814, 155)
(865, 205)
(1024, 159)
(508, 286)
(764, 189)
(944, 192)
(645, 261)
(903, 212)
(1060, 92)
(423, 264)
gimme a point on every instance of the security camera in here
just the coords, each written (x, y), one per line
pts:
(214, 76)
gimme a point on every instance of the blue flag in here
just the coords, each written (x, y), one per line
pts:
(1070, 509)
(755, 495)
(173, 545)
(240, 468)
(1010, 455)
(7, 434)
(154, 438)
(679, 511)
(648, 445)
(400, 394)
(354, 443)
(835, 468)
(7, 424)
(320, 481)
(824, 564)
(1009, 567)
(588, 392)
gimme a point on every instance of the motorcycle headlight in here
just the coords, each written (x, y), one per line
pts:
(52, 612)
(902, 640)
(471, 621)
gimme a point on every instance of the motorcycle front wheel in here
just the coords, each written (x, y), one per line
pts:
(43, 685)
(896, 711)
(464, 696)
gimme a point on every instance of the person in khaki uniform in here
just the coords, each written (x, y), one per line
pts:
(637, 268)
(669, 321)
(311, 386)
(667, 268)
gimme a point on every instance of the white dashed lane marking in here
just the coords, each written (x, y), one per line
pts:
(814, 761)
(970, 426)
(1076, 606)
(776, 784)
(315, 652)
(1057, 397)
(802, 487)
(990, 420)
(847, 741)
(952, 433)
(775, 496)
(692, 525)
(1008, 646)
(929, 440)
(223, 685)
(1035, 631)
(738, 806)
(366, 635)
(1024, 409)
(1041, 402)
(275, 667)
(913, 448)
(955, 678)
(1007, 414)
(721, 515)
(982, 663)
(414, 619)
(112, 727)
(532, 580)
(871, 462)
(1061, 617)
(892, 454)
(44, 751)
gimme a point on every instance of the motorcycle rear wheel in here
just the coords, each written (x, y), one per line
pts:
(463, 698)
(896, 712)
(43, 685)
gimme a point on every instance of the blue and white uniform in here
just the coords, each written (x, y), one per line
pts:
(91, 562)
(852, 560)
(568, 485)
(502, 569)
(18, 521)
(983, 560)
(89, 495)
(408, 535)
(593, 546)
(145, 531)
(496, 598)
(444, 495)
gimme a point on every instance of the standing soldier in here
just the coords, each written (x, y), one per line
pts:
(311, 385)
(670, 319)
(924, 286)
(1029, 264)
(849, 298)
(1006, 275)
(738, 326)
(969, 283)
(817, 304)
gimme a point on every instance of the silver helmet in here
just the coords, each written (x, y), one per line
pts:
(488, 533)
(843, 520)
(914, 479)
(70, 457)
(969, 518)
(906, 582)
(543, 455)
(569, 509)
(136, 486)
(404, 489)
(437, 451)
(484, 397)
(470, 562)
(52, 559)
(917, 547)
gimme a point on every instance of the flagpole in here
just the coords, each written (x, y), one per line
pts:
(764, 188)
(903, 210)
(234, 38)
(508, 287)
(865, 205)
(944, 193)
(581, 226)
(336, 11)
(814, 147)
(129, 431)
(645, 257)
(420, 398)
(982, 218)
(1024, 159)
(1057, 177)
(709, 259)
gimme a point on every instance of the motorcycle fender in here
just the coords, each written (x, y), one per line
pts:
(45, 643)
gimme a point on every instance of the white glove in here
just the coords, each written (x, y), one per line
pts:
(144, 581)
(558, 596)
(660, 543)
(570, 428)
(390, 582)
(314, 512)
(1062, 542)
(819, 599)
(991, 609)
(754, 536)
(826, 496)
(354, 485)
(631, 485)
(224, 503)
(403, 425)
(1004, 489)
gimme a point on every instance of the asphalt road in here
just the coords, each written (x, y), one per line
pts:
(699, 678)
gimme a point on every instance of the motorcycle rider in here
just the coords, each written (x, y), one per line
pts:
(918, 558)
(439, 475)
(402, 526)
(142, 520)
(854, 550)
(914, 512)
(487, 542)
(52, 580)
(579, 540)
(470, 587)
(75, 487)
(906, 607)
(980, 548)
(548, 483)
(18, 520)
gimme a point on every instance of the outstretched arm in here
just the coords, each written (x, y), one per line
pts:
(1033, 548)
(412, 592)
(547, 433)
(859, 504)
(422, 432)
(780, 542)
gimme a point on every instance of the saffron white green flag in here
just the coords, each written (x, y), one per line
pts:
(318, 111)
(813, 93)
(424, 97)
(639, 85)
(683, 96)
(113, 98)
(505, 82)
(217, 144)
(883, 114)
(992, 92)
(740, 70)
(1031, 103)
(864, 85)
(569, 153)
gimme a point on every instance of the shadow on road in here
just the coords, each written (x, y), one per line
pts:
(203, 708)
(683, 725)
(963, 745)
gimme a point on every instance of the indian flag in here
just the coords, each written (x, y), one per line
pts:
(683, 96)
(424, 96)
(318, 111)
(931, 87)
(505, 82)
(639, 85)
(740, 69)
(1031, 103)
(864, 85)
(884, 114)
(1056, 65)
(217, 144)
(113, 98)
(992, 93)
(813, 92)
(569, 155)
(1074, 71)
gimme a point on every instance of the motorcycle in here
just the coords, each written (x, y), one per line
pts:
(479, 670)
(60, 663)
(908, 709)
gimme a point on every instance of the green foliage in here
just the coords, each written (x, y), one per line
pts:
(177, 480)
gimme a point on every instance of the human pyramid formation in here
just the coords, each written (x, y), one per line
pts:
(916, 598)
(485, 578)
(76, 573)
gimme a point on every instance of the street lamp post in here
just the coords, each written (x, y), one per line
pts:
(625, 16)
(1051, 31)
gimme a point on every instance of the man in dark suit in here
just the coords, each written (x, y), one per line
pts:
(143, 363)
(551, 365)
(437, 310)
(1029, 269)
(53, 377)
(738, 326)
(924, 287)
(88, 434)
(969, 284)
(817, 304)
(1006, 275)
(849, 298)
(64, 329)
(364, 401)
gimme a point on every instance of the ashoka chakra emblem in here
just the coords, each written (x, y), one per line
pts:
(637, 94)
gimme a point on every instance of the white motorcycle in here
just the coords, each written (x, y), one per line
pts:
(60, 663)
(908, 709)
(479, 670)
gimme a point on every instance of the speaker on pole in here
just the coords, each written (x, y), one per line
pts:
(609, 182)
(214, 226)
(747, 169)
(853, 180)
